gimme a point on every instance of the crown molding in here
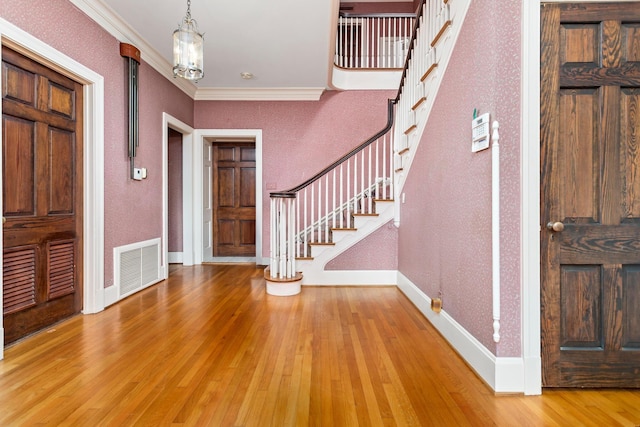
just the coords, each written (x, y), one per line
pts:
(111, 22)
(259, 94)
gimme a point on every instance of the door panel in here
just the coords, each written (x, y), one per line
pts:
(590, 303)
(42, 203)
(18, 155)
(234, 199)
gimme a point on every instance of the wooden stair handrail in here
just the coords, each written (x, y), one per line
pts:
(390, 117)
(291, 192)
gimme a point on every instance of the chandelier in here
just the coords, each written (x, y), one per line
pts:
(188, 49)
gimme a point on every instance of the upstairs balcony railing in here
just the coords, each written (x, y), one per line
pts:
(373, 40)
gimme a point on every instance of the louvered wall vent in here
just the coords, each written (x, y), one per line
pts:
(136, 266)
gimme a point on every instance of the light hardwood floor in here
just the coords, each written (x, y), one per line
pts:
(208, 347)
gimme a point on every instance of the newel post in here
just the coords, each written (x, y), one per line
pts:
(281, 276)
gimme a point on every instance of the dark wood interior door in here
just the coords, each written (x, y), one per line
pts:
(234, 199)
(590, 185)
(42, 196)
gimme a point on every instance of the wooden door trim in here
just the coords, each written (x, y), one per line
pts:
(93, 135)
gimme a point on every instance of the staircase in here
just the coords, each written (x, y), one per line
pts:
(316, 221)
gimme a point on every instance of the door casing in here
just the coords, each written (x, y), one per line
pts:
(196, 161)
(93, 135)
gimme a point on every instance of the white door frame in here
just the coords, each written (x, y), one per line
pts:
(530, 201)
(197, 160)
(93, 170)
(187, 131)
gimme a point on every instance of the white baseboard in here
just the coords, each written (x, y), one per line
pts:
(110, 295)
(349, 277)
(502, 374)
(174, 258)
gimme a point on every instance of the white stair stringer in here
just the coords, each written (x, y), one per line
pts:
(443, 52)
(313, 270)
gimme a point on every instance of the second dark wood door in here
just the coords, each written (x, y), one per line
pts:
(234, 199)
(42, 195)
(590, 185)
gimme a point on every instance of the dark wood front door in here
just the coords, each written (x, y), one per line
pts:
(42, 196)
(590, 185)
(234, 199)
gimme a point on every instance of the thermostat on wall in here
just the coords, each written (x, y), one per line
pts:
(480, 133)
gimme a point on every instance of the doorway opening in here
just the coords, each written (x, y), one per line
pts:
(239, 239)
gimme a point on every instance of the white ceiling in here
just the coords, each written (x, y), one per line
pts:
(285, 44)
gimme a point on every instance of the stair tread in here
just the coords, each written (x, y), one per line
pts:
(366, 214)
(344, 229)
(321, 244)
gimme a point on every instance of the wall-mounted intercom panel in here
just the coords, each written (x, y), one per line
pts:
(480, 133)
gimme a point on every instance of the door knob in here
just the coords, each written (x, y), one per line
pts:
(4, 220)
(555, 226)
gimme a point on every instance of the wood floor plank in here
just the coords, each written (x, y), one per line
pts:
(208, 347)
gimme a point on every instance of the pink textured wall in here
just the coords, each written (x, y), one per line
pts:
(132, 209)
(300, 138)
(379, 251)
(445, 232)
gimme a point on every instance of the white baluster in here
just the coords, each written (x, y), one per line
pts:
(355, 184)
(319, 211)
(312, 234)
(377, 173)
(326, 209)
(272, 242)
(338, 60)
(306, 230)
(369, 182)
(333, 211)
(341, 197)
(294, 229)
(291, 258)
(378, 47)
(348, 199)
(384, 165)
(282, 239)
(362, 183)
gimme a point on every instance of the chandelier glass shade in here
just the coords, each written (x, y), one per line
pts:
(188, 45)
